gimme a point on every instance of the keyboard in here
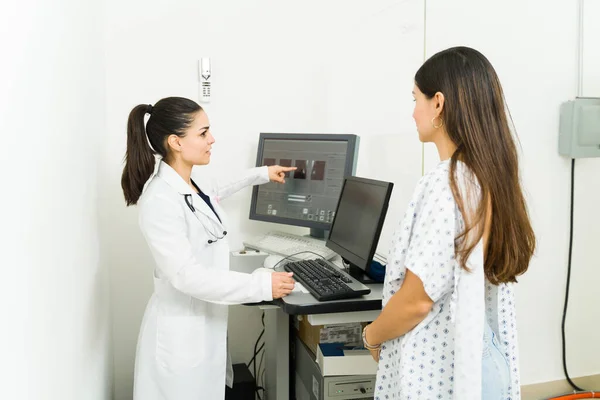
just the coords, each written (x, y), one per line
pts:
(326, 281)
(287, 244)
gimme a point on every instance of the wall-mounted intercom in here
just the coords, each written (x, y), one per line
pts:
(204, 81)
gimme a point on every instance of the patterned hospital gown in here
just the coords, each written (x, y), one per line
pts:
(441, 357)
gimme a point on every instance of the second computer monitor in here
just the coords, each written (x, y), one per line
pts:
(310, 194)
(359, 217)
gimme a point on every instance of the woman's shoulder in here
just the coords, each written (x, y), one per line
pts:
(157, 192)
(435, 180)
(438, 178)
(436, 187)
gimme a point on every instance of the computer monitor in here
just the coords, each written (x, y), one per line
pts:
(359, 217)
(310, 194)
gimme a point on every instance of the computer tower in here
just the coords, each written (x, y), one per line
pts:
(310, 384)
(243, 384)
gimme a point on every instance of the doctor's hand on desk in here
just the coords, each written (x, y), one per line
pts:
(282, 284)
(277, 173)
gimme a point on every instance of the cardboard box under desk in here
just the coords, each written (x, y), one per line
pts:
(338, 359)
(313, 335)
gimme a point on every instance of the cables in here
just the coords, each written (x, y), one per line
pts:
(579, 393)
(564, 317)
(261, 372)
(257, 366)
(573, 396)
(253, 361)
(583, 394)
(295, 254)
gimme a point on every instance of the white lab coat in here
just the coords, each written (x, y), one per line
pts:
(182, 346)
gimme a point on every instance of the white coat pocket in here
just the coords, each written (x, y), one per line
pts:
(180, 342)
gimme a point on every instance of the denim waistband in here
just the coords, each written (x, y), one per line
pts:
(489, 339)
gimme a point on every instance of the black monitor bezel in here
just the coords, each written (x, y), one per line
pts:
(349, 169)
(352, 258)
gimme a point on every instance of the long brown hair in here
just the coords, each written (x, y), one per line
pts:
(170, 116)
(477, 121)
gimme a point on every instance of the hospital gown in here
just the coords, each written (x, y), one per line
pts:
(441, 357)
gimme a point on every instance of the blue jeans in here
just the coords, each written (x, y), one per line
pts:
(495, 369)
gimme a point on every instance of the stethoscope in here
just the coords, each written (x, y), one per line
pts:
(188, 201)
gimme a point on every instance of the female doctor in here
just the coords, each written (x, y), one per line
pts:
(182, 346)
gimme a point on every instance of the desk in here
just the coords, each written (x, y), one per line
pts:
(279, 318)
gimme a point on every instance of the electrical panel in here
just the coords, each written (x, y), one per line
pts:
(579, 131)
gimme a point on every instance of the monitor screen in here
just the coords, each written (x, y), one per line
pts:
(359, 217)
(310, 194)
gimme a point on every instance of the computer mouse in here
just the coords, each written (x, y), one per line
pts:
(273, 260)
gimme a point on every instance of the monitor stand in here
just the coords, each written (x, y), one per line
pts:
(319, 233)
(358, 274)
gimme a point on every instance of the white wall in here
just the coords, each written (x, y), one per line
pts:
(52, 101)
(344, 67)
(590, 82)
(535, 55)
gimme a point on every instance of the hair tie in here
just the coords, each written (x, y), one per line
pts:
(150, 108)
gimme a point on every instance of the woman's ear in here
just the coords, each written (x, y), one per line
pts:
(174, 143)
(438, 100)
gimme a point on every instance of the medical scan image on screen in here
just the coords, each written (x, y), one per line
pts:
(311, 191)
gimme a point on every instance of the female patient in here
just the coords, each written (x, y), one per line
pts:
(448, 326)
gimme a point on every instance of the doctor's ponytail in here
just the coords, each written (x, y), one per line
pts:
(139, 159)
(169, 116)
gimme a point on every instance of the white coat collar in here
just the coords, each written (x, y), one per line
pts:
(173, 179)
(169, 175)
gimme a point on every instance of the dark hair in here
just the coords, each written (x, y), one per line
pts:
(477, 121)
(170, 116)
